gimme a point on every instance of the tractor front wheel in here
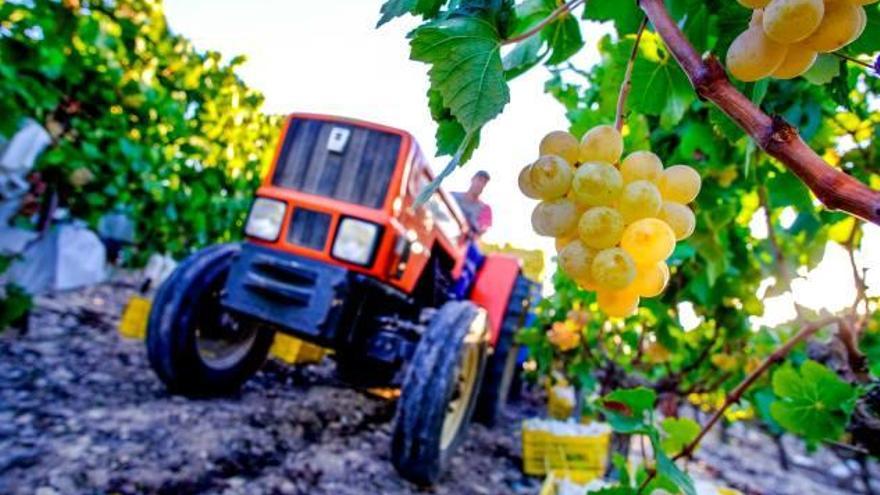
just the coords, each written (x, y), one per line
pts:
(439, 392)
(194, 346)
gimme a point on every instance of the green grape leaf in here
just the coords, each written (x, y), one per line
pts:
(659, 87)
(620, 463)
(698, 144)
(696, 28)
(563, 35)
(679, 433)
(724, 126)
(812, 402)
(450, 133)
(762, 398)
(613, 490)
(564, 38)
(626, 15)
(525, 55)
(530, 12)
(869, 42)
(668, 468)
(785, 189)
(823, 70)
(397, 8)
(466, 69)
(626, 408)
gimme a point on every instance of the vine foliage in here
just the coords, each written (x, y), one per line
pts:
(770, 154)
(143, 123)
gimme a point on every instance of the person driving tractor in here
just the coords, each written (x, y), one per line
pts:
(477, 213)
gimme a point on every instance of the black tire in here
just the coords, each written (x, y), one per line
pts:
(501, 367)
(187, 301)
(417, 448)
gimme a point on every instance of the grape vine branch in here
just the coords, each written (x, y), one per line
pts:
(834, 188)
(626, 86)
(562, 9)
(736, 394)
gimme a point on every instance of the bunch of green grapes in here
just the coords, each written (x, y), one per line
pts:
(785, 37)
(615, 222)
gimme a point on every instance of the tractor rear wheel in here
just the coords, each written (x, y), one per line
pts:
(439, 392)
(501, 367)
(194, 346)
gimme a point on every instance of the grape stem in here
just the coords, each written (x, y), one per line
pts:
(853, 60)
(562, 9)
(736, 394)
(779, 139)
(626, 86)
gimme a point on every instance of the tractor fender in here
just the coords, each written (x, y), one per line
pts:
(492, 288)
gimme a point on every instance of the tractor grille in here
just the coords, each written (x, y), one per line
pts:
(309, 229)
(339, 161)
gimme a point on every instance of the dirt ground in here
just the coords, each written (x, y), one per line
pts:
(81, 413)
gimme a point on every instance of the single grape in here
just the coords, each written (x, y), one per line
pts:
(641, 165)
(525, 183)
(798, 60)
(600, 227)
(680, 183)
(639, 199)
(596, 184)
(613, 269)
(648, 240)
(562, 144)
(550, 177)
(680, 219)
(841, 25)
(651, 279)
(790, 21)
(617, 303)
(754, 4)
(602, 144)
(753, 56)
(554, 218)
(576, 260)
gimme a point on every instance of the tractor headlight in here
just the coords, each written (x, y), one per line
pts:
(264, 221)
(355, 241)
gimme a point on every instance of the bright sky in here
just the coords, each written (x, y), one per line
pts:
(327, 57)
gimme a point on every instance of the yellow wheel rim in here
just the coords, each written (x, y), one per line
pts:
(466, 382)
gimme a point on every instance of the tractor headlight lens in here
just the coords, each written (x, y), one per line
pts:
(355, 241)
(264, 221)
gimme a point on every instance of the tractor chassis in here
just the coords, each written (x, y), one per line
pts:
(327, 305)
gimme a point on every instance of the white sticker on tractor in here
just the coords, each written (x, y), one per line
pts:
(338, 139)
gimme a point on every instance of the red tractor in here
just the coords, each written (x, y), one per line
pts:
(337, 254)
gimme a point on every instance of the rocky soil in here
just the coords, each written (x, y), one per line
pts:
(81, 413)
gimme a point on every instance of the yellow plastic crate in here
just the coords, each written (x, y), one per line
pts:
(580, 458)
(133, 324)
(295, 351)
